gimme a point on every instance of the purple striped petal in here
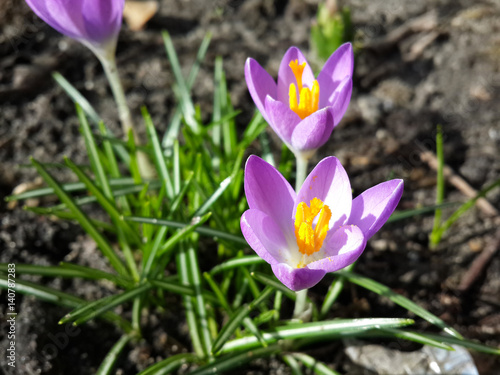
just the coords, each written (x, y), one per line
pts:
(339, 100)
(102, 19)
(268, 191)
(96, 22)
(282, 119)
(372, 208)
(263, 235)
(328, 182)
(297, 278)
(342, 247)
(260, 85)
(57, 15)
(286, 76)
(313, 131)
(338, 66)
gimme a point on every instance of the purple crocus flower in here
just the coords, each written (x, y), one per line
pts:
(318, 230)
(95, 23)
(302, 110)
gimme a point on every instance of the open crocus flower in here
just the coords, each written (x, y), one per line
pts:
(303, 110)
(95, 23)
(318, 230)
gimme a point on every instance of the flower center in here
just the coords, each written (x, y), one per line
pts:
(311, 239)
(308, 98)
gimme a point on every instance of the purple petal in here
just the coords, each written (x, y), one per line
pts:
(268, 191)
(297, 278)
(286, 76)
(328, 181)
(372, 208)
(342, 247)
(339, 100)
(338, 66)
(282, 119)
(260, 84)
(313, 131)
(263, 235)
(91, 21)
(63, 15)
(103, 19)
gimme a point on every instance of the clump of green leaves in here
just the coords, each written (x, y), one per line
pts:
(441, 226)
(333, 27)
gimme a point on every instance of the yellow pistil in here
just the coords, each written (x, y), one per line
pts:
(308, 101)
(311, 239)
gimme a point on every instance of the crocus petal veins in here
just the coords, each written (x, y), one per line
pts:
(309, 239)
(308, 101)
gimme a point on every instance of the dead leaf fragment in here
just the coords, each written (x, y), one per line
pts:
(138, 13)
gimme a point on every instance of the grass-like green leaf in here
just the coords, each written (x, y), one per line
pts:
(159, 158)
(192, 322)
(69, 187)
(210, 232)
(405, 214)
(292, 363)
(173, 287)
(93, 154)
(173, 129)
(434, 236)
(68, 271)
(109, 361)
(439, 341)
(149, 256)
(333, 292)
(167, 366)
(318, 367)
(421, 338)
(213, 198)
(273, 282)
(94, 309)
(79, 99)
(256, 126)
(60, 298)
(184, 96)
(234, 361)
(462, 209)
(104, 202)
(385, 291)
(195, 280)
(196, 222)
(67, 215)
(82, 218)
(237, 319)
(316, 331)
(244, 261)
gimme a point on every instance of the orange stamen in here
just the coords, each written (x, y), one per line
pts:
(309, 239)
(308, 102)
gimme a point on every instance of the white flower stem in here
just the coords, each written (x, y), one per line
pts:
(109, 66)
(301, 306)
(301, 171)
(108, 62)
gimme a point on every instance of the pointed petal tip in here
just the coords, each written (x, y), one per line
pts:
(372, 208)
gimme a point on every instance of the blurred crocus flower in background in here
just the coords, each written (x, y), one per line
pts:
(95, 23)
(303, 110)
(318, 230)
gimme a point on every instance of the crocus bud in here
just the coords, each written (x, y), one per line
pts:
(95, 23)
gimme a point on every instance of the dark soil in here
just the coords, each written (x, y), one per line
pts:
(424, 63)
